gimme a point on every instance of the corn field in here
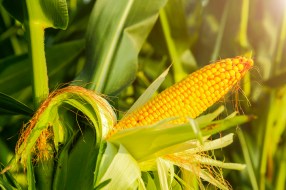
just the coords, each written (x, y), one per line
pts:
(145, 95)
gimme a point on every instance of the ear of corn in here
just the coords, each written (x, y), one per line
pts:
(191, 96)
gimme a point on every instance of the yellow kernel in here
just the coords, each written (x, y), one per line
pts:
(232, 73)
(221, 70)
(184, 88)
(217, 79)
(235, 61)
(205, 87)
(228, 67)
(195, 80)
(216, 86)
(221, 84)
(250, 62)
(213, 70)
(211, 76)
(235, 69)
(133, 123)
(208, 72)
(209, 98)
(222, 76)
(240, 67)
(238, 75)
(200, 77)
(203, 96)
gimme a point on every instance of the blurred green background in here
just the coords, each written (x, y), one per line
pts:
(188, 34)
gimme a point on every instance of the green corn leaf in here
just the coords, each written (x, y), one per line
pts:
(7, 181)
(15, 68)
(171, 36)
(4, 185)
(52, 13)
(15, 8)
(115, 34)
(9, 105)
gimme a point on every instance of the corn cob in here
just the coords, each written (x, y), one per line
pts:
(191, 96)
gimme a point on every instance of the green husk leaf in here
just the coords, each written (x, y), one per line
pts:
(208, 161)
(211, 116)
(165, 173)
(209, 178)
(123, 171)
(151, 140)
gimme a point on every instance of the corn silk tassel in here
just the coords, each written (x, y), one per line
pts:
(188, 99)
(191, 96)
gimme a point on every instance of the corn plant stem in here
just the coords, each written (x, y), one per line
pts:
(179, 73)
(35, 31)
(243, 23)
(267, 140)
(39, 68)
(247, 158)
